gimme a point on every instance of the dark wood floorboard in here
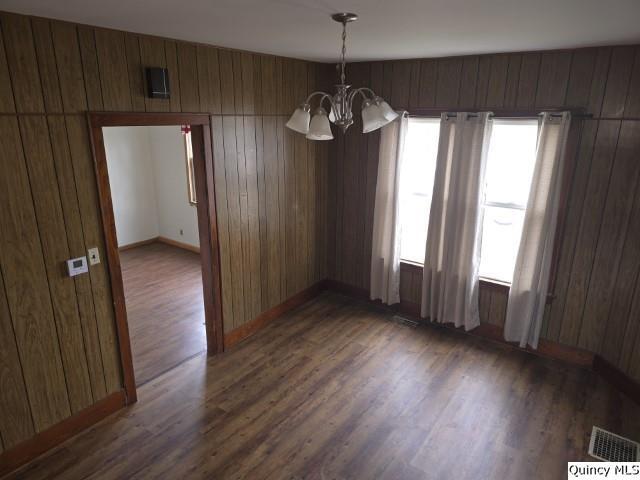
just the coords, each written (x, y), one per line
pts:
(337, 390)
(165, 309)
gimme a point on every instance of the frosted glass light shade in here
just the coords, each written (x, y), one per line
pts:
(372, 118)
(319, 129)
(299, 121)
(386, 110)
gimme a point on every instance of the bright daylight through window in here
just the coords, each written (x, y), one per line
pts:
(510, 163)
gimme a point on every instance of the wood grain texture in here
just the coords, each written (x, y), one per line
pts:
(377, 381)
(54, 72)
(165, 315)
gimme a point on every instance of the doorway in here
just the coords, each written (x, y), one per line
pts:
(155, 181)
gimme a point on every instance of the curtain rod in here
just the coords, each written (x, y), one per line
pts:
(503, 115)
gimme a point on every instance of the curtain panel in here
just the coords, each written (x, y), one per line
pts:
(528, 293)
(452, 257)
(385, 255)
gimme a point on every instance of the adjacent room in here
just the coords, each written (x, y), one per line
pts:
(151, 178)
(320, 240)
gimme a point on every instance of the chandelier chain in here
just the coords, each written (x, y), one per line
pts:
(344, 51)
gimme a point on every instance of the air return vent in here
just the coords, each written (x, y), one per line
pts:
(404, 321)
(610, 447)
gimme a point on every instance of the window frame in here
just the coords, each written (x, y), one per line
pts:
(188, 155)
(575, 132)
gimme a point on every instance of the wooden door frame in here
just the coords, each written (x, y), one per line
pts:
(207, 225)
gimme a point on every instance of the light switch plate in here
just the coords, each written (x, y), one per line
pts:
(94, 256)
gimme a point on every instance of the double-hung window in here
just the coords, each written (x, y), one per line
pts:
(510, 163)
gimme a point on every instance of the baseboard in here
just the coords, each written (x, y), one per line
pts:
(175, 243)
(141, 243)
(238, 334)
(41, 442)
(617, 378)
(546, 348)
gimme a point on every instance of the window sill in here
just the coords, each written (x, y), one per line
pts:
(414, 267)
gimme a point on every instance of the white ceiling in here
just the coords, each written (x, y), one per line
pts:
(387, 28)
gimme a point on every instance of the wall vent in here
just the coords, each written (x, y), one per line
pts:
(610, 447)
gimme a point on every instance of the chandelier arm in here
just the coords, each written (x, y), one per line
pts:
(361, 90)
(324, 94)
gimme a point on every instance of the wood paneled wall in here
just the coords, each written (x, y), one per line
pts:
(58, 349)
(597, 293)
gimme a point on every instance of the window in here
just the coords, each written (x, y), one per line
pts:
(188, 151)
(510, 163)
(416, 185)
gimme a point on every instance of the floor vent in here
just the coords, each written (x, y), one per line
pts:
(404, 321)
(610, 447)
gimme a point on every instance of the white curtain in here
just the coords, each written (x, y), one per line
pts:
(528, 294)
(452, 256)
(385, 255)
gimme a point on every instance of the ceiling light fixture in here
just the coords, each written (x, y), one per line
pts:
(376, 113)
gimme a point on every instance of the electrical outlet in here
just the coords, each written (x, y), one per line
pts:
(94, 256)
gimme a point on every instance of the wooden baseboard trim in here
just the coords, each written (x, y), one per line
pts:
(238, 334)
(617, 378)
(141, 243)
(546, 348)
(41, 442)
(175, 243)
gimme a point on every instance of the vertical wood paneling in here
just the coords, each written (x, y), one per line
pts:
(601, 164)
(253, 240)
(579, 88)
(448, 86)
(58, 347)
(51, 226)
(67, 52)
(428, 78)
(75, 237)
(209, 79)
(88, 54)
(620, 69)
(114, 75)
(47, 65)
(270, 158)
(135, 72)
(23, 66)
(7, 105)
(86, 188)
(611, 239)
(226, 81)
(497, 89)
(16, 423)
(222, 211)
(188, 75)
(632, 107)
(175, 82)
(528, 83)
(482, 87)
(469, 82)
(23, 269)
(235, 226)
(599, 80)
(401, 84)
(553, 79)
(513, 78)
(572, 224)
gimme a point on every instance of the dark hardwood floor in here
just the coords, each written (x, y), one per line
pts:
(165, 310)
(338, 390)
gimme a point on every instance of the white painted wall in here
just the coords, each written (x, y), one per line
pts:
(133, 188)
(148, 179)
(175, 213)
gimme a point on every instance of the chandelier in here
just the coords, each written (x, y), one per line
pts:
(376, 113)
